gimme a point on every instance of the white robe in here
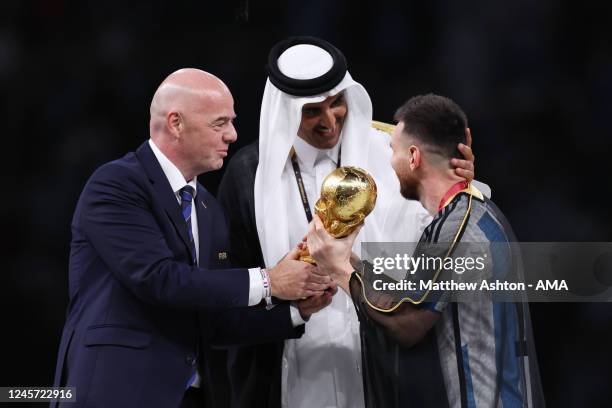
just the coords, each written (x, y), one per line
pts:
(322, 369)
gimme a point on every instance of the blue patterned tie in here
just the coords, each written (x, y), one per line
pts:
(186, 194)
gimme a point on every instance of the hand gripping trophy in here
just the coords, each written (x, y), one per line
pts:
(348, 195)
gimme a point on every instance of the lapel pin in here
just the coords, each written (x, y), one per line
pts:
(204, 205)
(222, 255)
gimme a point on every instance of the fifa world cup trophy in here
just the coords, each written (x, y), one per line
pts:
(348, 195)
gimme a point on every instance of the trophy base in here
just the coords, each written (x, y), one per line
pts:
(305, 256)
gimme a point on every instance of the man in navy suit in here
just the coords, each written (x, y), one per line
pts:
(148, 288)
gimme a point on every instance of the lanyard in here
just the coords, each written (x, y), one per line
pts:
(300, 182)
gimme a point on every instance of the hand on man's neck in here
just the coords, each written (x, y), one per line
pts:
(434, 187)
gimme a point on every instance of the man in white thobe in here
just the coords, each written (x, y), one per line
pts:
(314, 118)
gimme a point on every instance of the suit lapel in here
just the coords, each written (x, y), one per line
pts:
(204, 226)
(163, 191)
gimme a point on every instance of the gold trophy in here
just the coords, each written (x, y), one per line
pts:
(348, 195)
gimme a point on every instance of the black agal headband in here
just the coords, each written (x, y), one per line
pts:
(306, 87)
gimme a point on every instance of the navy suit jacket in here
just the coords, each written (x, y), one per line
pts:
(140, 313)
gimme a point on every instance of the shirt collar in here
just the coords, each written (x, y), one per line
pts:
(310, 155)
(173, 174)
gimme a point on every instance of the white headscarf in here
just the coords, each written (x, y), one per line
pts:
(393, 219)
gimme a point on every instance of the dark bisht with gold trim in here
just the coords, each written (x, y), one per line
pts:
(480, 352)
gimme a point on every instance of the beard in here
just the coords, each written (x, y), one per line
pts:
(408, 188)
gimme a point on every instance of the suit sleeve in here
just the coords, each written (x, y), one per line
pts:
(245, 326)
(116, 216)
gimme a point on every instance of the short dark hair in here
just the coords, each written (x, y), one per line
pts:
(435, 120)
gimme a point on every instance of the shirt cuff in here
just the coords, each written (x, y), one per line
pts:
(256, 289)
(296, 317)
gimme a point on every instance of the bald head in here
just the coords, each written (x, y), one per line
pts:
(189, 109)
(183, 90)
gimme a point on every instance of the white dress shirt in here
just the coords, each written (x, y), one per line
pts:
(323, 368)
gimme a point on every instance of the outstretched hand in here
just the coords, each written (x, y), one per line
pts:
(291, 279)
(313, 304)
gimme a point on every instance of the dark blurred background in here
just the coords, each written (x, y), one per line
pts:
(535, 78)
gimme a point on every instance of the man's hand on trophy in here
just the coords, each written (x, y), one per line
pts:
(291, 279)
(313, 304)
(332, 255)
